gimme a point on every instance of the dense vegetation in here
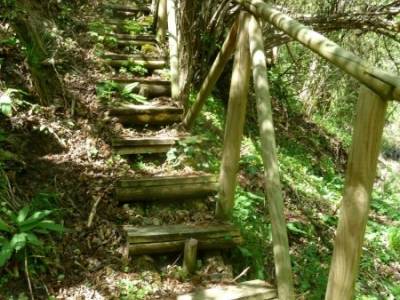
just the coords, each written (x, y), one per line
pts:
(55, 158)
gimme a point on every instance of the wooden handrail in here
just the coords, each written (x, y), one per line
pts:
(272, 183)
(162, 20)
(173, 50)
(235, 120)
(227, 50)
(384, 84)
(361, 173)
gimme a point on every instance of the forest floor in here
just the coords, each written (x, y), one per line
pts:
(61, 159)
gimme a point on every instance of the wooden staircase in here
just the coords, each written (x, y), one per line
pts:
(160, 111)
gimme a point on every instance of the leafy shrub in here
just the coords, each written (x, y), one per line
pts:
(110, 89)
(21, 233)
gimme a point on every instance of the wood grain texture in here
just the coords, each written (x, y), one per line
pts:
(249, 290)
(173, 50)
(361, 172)
(383, 83)
(272, 183)
(234, 121)
(162, 21)
(190, 256)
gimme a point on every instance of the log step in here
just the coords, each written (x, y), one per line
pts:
(145, 37)
(166, 188)
(148, 62)
(171, 238)
(254, 290)
(147, 81)
(131, 8)
(131, 57)
(147, 88)
(129, 146)
(131, 114)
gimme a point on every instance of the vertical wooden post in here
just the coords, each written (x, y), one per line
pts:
(162, 21)
(361, 172)
(190, 256)
(173, 49)
(228, 48)
(234, 122)
(273, 187)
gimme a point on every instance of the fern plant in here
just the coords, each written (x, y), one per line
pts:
(21, 233)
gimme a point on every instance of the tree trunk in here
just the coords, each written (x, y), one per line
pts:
(31, 29)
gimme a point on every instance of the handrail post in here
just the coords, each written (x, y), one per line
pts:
(228, 48)
(234, 122)
(162, 21)
(384, 84)
(361, 172)
(173, 50)
(272, 182)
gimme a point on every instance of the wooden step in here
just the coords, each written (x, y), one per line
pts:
(145, 38)
(166, 188)
(119, 26)
(171, 238)
(131, 114)
(254, 290)
(134, 40)
(143, 80)
(130, 42)
(131, 8)
(149, 62)
(150, 88)
(128, 146)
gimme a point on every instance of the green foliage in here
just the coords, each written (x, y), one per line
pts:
(109, 90)
(139, 26)
(134, 290)
(22, 232)
(249, 216)
(133, 68)
(9, 101)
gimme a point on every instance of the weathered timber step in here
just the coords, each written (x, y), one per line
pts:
(131, 8)
(129, 37)
(166, 188)
(148, 88)
(171, 238)
(254, 290)
(148, 80)
(131, 114)
(149, 62)
(131, 57)
(128, 146)
(130, 42)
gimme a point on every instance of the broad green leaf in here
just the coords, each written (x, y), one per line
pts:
(3, 240)
(4, 226)
(130, 87)
(18, 241)
(22, 214)
(5, 254)
(33, 239)
(36, 217)
(50, 225)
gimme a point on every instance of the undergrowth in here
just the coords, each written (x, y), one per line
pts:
(313, 183)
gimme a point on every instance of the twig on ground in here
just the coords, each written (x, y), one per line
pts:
(27, 277)
(244, 272)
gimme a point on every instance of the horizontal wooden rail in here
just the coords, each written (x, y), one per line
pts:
(381, 82)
